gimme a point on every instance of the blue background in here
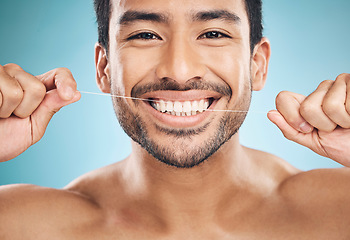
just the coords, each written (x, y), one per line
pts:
(310, 43)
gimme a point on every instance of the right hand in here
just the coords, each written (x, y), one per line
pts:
(27, 104)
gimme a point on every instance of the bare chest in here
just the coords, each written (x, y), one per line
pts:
(269, 228)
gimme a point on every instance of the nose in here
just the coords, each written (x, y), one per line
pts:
(180, 62)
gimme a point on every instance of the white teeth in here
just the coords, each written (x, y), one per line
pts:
(206, 105)
(177, 107)
(187, 108)
(169, 106)
(162, 106)
(201, 106)
(195, 106)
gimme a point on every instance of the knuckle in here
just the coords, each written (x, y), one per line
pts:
(12, 96)
(331, 106)
(307, 109)
(280, 99)
(15, 94)
(63, 70)
(283, 94)
(12, 66)
(38, 89)
(326, 83)
(343, 76)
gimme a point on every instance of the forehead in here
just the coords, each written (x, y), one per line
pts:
(179, 8)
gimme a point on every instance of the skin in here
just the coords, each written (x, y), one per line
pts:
(231, 195)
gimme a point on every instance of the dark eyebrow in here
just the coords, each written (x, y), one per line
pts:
(132, 16)
(217, 14)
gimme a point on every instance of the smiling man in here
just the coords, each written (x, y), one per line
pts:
(185, 67)
(180, 64)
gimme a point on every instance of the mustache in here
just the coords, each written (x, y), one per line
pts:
(172, 85)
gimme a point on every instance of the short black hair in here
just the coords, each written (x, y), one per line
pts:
(253, 8)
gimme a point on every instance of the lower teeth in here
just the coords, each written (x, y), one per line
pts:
(183, 114)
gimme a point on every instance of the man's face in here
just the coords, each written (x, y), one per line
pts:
(187, 58)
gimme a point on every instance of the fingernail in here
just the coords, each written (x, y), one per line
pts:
(305, 127)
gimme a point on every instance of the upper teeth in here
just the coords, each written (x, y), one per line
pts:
(187, 108)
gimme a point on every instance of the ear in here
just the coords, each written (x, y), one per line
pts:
(260, 64)
(102, 69)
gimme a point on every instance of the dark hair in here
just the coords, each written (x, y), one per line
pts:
(253, 8)
(254, 12)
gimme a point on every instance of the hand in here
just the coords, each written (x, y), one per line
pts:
(27, 104)
(320, 121)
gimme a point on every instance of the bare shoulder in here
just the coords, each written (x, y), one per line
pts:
(35, 209)
(320, 193)
(330, 183)
(100, 183)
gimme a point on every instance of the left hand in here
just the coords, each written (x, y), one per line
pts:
(320, 121)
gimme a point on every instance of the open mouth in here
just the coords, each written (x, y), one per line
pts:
(181, 108)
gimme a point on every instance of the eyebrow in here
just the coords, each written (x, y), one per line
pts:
(217, 15)
(132, 16)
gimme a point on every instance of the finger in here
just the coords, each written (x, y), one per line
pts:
(311, 108)
(33, 91)
(51, 104)
(287, 130)
(334, 102)
(62, 80)
(288, 104)
(11, 92)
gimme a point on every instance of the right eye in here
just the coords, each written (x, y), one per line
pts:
(145, 36)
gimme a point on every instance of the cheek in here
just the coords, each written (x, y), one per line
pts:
(231, 65)
(136, 66)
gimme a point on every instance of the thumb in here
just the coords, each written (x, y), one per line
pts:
(41, 117)
(288, 131)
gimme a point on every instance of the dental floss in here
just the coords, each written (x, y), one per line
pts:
(111, 95)
(150, 100)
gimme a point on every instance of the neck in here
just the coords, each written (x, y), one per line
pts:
(199, 191)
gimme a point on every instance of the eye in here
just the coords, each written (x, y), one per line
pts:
(145, 36)
(213, 35)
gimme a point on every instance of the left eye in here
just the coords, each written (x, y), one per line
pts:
(213, 35)
(145, 36)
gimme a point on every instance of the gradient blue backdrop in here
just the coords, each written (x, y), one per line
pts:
(310, 43)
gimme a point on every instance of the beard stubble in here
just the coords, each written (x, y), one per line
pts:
(182, 152)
